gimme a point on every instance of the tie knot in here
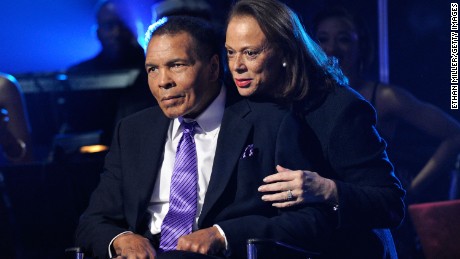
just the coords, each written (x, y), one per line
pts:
(189, 127)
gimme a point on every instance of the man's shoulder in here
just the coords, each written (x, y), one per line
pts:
(145, 116)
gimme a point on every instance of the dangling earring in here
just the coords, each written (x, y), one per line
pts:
(284, 64)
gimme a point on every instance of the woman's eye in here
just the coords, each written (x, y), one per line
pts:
(323, 39)
(230, 53)
(251, 53)
(345, 39)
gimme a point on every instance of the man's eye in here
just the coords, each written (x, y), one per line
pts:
(152, 69)
(178, 67)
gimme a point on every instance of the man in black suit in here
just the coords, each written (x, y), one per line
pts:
(238, 143)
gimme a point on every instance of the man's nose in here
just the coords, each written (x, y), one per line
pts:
(164, 79)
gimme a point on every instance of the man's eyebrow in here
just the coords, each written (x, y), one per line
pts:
(174, 60)
(150, 65)
(178, 60)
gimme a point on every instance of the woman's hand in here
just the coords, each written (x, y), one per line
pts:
(304, 187)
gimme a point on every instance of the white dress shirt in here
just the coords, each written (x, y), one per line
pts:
(206, 135)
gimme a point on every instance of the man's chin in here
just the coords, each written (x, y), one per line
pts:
(172, 113)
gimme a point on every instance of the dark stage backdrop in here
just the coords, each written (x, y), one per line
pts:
(47, 36)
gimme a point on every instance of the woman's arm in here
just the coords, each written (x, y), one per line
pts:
(434, 122)
(365, 188)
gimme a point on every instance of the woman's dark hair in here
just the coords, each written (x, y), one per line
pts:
(308, 69)
(366, 47)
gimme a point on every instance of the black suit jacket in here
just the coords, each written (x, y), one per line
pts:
(120, 201)
(345, 146)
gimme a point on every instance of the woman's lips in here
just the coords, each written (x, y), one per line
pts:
(243, 82)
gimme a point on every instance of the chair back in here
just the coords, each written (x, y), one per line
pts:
(438, 227)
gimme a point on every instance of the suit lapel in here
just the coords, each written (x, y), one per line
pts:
(150, 159)
(233, 134)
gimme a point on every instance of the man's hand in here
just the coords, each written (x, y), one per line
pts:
(131, 245)
(205, 241)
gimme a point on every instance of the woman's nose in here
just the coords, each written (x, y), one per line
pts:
(238, 64)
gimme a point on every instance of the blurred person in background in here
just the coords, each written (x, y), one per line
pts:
(119, 46)
(120, 51)
(195, 8)
(342, 35)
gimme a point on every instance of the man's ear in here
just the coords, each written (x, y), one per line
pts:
(214, 68)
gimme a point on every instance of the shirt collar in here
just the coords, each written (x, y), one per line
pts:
(209, 120)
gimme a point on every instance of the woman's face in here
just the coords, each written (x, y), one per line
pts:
(337, 37)
(253, 62)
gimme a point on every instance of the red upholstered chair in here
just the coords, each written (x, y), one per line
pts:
(438, 227)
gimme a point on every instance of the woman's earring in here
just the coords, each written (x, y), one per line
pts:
(284, 64)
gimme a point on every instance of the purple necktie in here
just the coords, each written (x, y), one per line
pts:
(183, 193)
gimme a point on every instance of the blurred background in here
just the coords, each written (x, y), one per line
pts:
(49, 36)
(42, 39)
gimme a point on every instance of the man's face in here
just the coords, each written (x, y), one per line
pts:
(182, 83)
(112, 32)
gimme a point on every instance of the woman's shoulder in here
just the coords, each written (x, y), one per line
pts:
(388, 90)
(343, 112)
(392, 98)
(339, 106)
(7, 83)
(333, 103)
(9, 90)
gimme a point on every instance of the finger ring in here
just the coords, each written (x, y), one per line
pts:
(289, 195)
